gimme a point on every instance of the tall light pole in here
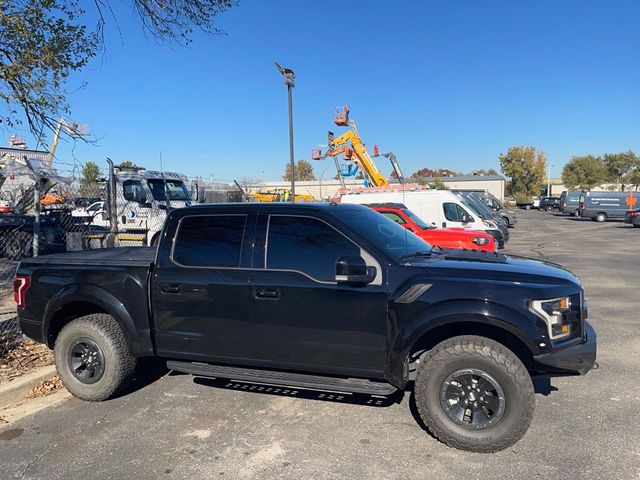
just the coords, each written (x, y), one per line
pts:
(290, 82)
(549, 182)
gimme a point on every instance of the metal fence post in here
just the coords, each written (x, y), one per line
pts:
(36, 221)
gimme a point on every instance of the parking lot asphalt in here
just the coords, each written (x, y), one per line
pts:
(178, 426)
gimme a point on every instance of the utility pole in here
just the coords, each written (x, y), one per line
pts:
(290, 82)
(549, 182)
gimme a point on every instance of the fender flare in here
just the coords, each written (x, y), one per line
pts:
(451, 313)
(101, 298)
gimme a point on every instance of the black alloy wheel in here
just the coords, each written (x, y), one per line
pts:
(86, 361)
(472, 398)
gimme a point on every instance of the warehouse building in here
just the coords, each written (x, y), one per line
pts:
(326, 189)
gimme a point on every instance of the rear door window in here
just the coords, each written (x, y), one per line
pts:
(209, 241)
(307, 245)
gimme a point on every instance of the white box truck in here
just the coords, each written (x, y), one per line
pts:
(442, 208)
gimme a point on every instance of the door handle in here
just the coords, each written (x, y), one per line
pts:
(170, 288)
(267, 293)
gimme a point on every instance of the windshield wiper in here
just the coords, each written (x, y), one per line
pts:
(423, 253)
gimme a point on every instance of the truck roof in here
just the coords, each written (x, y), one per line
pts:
(300, 206)
(133, 174)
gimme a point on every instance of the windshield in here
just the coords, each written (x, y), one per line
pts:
(493, 202)
(574, 196)
(417, 220)
(384, 233)
(475, 208)
(486, 212)
(175, 188)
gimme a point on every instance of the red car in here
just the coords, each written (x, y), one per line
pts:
(441, 237)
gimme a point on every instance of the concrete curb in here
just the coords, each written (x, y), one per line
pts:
(14, 391)
(24, 408)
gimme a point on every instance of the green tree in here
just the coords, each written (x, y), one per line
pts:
(633, 178)
(90, 179)
(42, 42)
(525, 167)
(620, 165)
(438, 184)
(584, 172)
(127, 164)
(304, 171)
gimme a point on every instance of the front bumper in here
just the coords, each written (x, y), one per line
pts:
(578, 358)
(497, 236)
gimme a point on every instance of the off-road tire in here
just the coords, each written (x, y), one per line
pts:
(119, 364)
(496, 360)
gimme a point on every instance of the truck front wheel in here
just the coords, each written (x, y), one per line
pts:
(474, 394)
(92, 358)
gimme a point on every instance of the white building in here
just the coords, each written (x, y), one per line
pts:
(326, 189)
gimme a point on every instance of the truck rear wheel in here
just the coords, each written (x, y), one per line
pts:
(92, 358)
(601, 217)
(474, 394)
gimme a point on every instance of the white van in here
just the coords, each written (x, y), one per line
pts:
(442, 208)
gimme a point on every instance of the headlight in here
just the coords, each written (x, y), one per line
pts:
(555, 313)
(480, 240)
(490, 224)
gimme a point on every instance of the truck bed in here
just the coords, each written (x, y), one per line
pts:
(112, 279)
(120, 257)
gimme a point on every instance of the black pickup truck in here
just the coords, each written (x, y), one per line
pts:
(328, 297)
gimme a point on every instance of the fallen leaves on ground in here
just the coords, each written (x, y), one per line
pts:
(45, 388)
(26, 356)
(3, 420)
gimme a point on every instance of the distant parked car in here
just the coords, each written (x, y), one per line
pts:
(570, 202)
(601, 206)
(549, 203)
(633, 217)
(509, 216)
(441, 237)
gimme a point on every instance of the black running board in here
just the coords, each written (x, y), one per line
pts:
(284, 379)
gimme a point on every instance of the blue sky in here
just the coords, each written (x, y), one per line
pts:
(442, 84)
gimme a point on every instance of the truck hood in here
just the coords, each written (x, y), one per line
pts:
(491, 266)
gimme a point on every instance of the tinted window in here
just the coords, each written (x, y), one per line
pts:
(386, 235)
(306, 244)
(209, 241)
(394, 216)
(133, 191)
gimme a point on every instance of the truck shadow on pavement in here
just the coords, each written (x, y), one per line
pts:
(148, 371)
(295, 392)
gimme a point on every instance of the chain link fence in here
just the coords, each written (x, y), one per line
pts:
(70, 217)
